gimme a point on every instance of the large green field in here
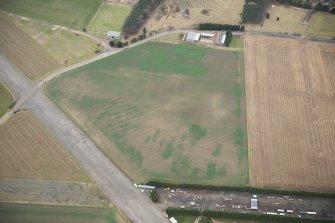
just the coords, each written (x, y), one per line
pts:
(6, 99)
(23, 213)
(109, 17)
(322, 24)
(164, 112)
(74, 14)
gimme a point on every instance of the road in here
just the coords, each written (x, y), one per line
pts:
(115, 185)
(240, 202)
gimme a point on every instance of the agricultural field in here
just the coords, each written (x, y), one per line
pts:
(51, 192)
(7, 99)
(322, 24)
(66, 47)
(166, 112)
(24, 213)
(28, 151)
(290, 21)
(290, 113)
(23, 51)
(74, 14)
(110, 17)
(170, 14)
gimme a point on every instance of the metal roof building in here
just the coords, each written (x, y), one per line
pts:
(192, 37)
(254, 204)
(113, 35)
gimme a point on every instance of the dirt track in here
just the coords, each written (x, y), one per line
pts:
(290, 112)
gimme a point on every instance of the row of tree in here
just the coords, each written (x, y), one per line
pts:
(325, 6)
(215, 26)
(139, 15)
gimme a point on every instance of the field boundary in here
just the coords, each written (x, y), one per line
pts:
(241, 216)
(95, 15)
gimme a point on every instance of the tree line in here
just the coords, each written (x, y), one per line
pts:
(139, 15)
(242, 189)
(215, 26)
(324, 6)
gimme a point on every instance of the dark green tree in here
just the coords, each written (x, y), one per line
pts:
(111, 43)
(119, 44)
(229, 38)
(154, 196)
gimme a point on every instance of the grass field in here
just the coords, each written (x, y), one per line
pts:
(322, 24)
(163, 112)
(27, 150)
(23, 51)
(51, 192)
(74, 14)
(23, 213)
(290, 21)
(290, 113)
(6, 99)
(220, 11)
(66, 47)
(110, 17)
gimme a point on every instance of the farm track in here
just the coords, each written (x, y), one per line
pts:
(61, 27)
(110, 180)
(24, 51)
(290, 113)
(25, 90)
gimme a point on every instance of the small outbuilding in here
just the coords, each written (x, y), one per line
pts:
(173, 220)
(113, 35)
(192, 37)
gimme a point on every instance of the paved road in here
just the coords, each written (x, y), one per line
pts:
(117, 187)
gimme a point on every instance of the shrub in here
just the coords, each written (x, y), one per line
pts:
(111, 43)
(252, 13)
(154, 196)
(119, 44)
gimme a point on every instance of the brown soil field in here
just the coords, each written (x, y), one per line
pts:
(290, 87)
(23, 51)
(170, 13)
(27, 150)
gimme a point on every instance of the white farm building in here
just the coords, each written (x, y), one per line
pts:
(192, 37)
(113, 35)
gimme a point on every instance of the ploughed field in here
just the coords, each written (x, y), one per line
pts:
(290, 88)
(27, 150)
(163, 112)
(23, 51)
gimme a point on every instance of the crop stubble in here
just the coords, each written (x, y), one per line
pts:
(290, 113)
(23, 51)
(28, 151)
